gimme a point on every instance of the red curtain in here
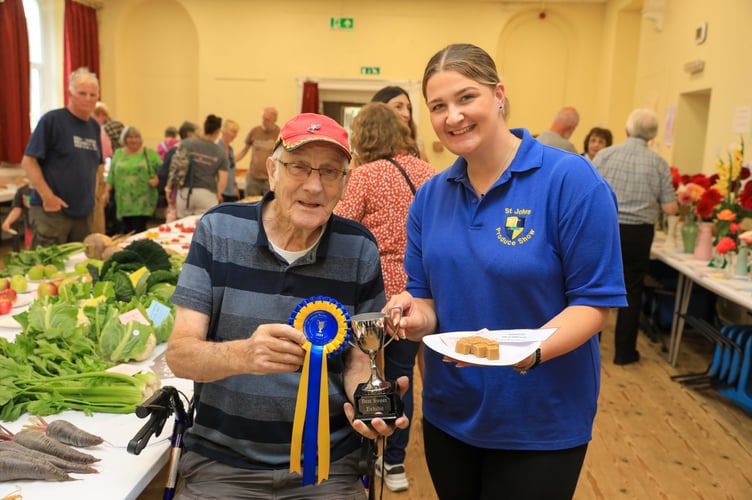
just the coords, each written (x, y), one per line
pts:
(310, 98)
(80, 41)
(15, 127)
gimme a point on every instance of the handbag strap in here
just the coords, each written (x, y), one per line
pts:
(148, 163)
(404, 174)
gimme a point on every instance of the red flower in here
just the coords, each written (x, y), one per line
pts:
(745, 197)
(676, 177)
(701, 180)
(726, 245)
(705, 207)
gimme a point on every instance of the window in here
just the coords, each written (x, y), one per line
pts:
(43, 78)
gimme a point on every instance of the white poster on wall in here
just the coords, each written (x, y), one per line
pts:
(668, 125)
(742, 117)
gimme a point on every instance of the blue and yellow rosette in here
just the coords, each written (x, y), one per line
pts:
(326, 324)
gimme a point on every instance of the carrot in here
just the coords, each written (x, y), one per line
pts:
(58, 462)
(14, 466)
(37, 440)
(66, 432)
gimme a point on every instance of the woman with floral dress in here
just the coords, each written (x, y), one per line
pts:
(378, 195)
(133, 176)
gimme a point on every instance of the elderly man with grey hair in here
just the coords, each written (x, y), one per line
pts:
(61, 162)
(642, 182)
(564, 124)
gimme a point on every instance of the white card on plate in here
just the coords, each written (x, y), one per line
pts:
(514, 345)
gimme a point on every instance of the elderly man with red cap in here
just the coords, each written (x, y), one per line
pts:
(263, 307)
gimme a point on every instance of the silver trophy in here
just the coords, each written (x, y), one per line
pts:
(376, 398)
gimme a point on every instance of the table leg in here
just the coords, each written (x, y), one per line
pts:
(681, 305)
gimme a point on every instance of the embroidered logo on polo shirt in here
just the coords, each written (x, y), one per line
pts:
(514, 231)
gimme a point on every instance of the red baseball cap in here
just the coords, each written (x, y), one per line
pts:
(310, 127)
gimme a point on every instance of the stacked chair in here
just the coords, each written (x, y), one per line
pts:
(729, 371)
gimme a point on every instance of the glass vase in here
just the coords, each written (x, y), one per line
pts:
(671, 229)
(741, 265)
(704, 245)
(689, 232)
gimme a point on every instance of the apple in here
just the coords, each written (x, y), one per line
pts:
(9, 294)
(18, 283)
(36, 272)
(47, 288)
(4, 284)
(5, 306)
(50, 270)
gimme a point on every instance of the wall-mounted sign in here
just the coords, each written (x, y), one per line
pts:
(341, 23)
(370, 70)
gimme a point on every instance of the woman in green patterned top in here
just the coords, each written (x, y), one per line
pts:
(133, 175)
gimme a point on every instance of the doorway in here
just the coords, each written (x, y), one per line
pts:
(690, 131)
(341, 98)
(342, 112)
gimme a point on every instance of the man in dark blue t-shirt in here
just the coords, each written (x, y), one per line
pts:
(61, 161)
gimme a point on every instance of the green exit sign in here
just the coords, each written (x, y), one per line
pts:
(370, 70)
(341, 23)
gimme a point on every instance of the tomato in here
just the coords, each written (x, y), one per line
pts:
(5, 306)
(188, 229)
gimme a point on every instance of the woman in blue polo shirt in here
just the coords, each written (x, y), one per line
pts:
(515, 234)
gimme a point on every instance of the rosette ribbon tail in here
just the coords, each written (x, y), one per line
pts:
(311, 424)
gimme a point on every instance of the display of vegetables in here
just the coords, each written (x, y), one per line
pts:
(68, 341)
(19, 263)
(114, 307)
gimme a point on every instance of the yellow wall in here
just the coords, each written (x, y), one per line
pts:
(234, 57)
(163, 61)
(662, 80)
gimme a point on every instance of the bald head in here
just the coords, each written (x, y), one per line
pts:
(269, 118)
(565, 121)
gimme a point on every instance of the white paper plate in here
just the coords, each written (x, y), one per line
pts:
(7, 321)
(23, 299)
(514, 345)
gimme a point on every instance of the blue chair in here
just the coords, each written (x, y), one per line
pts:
(741, 392)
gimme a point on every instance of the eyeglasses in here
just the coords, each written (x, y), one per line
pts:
(302, 171)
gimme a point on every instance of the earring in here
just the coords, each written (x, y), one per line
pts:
(501, 108)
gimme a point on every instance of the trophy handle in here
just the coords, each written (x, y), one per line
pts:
(395, 324)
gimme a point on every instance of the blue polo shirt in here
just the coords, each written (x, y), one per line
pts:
(545, 237)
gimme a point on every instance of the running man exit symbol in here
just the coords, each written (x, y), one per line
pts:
(341, 23)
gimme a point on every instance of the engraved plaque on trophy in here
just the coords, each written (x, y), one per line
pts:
(376, 398)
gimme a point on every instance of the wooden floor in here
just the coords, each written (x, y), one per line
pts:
(653, 438)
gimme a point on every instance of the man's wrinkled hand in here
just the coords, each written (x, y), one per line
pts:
(378, 427)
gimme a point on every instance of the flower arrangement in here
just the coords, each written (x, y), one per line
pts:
(736, 203)
(689, 192)
(725, 197)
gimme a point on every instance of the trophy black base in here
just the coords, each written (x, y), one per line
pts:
(384, 404)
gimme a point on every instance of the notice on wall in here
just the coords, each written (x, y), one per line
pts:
(668, 125)
(742, 119)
